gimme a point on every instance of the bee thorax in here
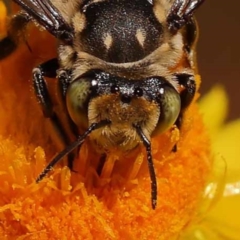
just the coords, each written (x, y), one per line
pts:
(121, 31)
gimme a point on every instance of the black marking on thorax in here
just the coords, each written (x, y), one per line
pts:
(120, 31)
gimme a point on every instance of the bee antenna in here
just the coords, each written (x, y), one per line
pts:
(147, 145)
(70, 148)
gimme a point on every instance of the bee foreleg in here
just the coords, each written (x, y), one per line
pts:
(181, 12)
(186, 81)
(64, 78)
(49, 69)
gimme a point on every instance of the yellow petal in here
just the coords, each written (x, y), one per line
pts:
(200, 232)
(222, 213)
(214, 108)
(227, 143)
(225, 218)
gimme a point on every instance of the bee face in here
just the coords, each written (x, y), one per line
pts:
(152, 104)
(125, 69)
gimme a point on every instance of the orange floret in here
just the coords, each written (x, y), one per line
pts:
(3, 12)
(83, 205)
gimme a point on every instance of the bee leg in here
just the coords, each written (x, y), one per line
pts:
(181, 12)
(49, 69)
(64, 78)
(101, 163)
(15, 35)
(187, 81)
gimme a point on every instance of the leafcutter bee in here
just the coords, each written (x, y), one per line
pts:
(125, 69)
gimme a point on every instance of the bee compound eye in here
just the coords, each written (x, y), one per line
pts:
(170, 106)
(77, 99)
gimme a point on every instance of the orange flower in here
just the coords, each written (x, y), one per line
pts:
(83, 205)
(2, 20)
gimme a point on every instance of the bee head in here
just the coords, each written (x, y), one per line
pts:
(151, 103)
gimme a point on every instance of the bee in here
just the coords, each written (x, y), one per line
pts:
(125, 69)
